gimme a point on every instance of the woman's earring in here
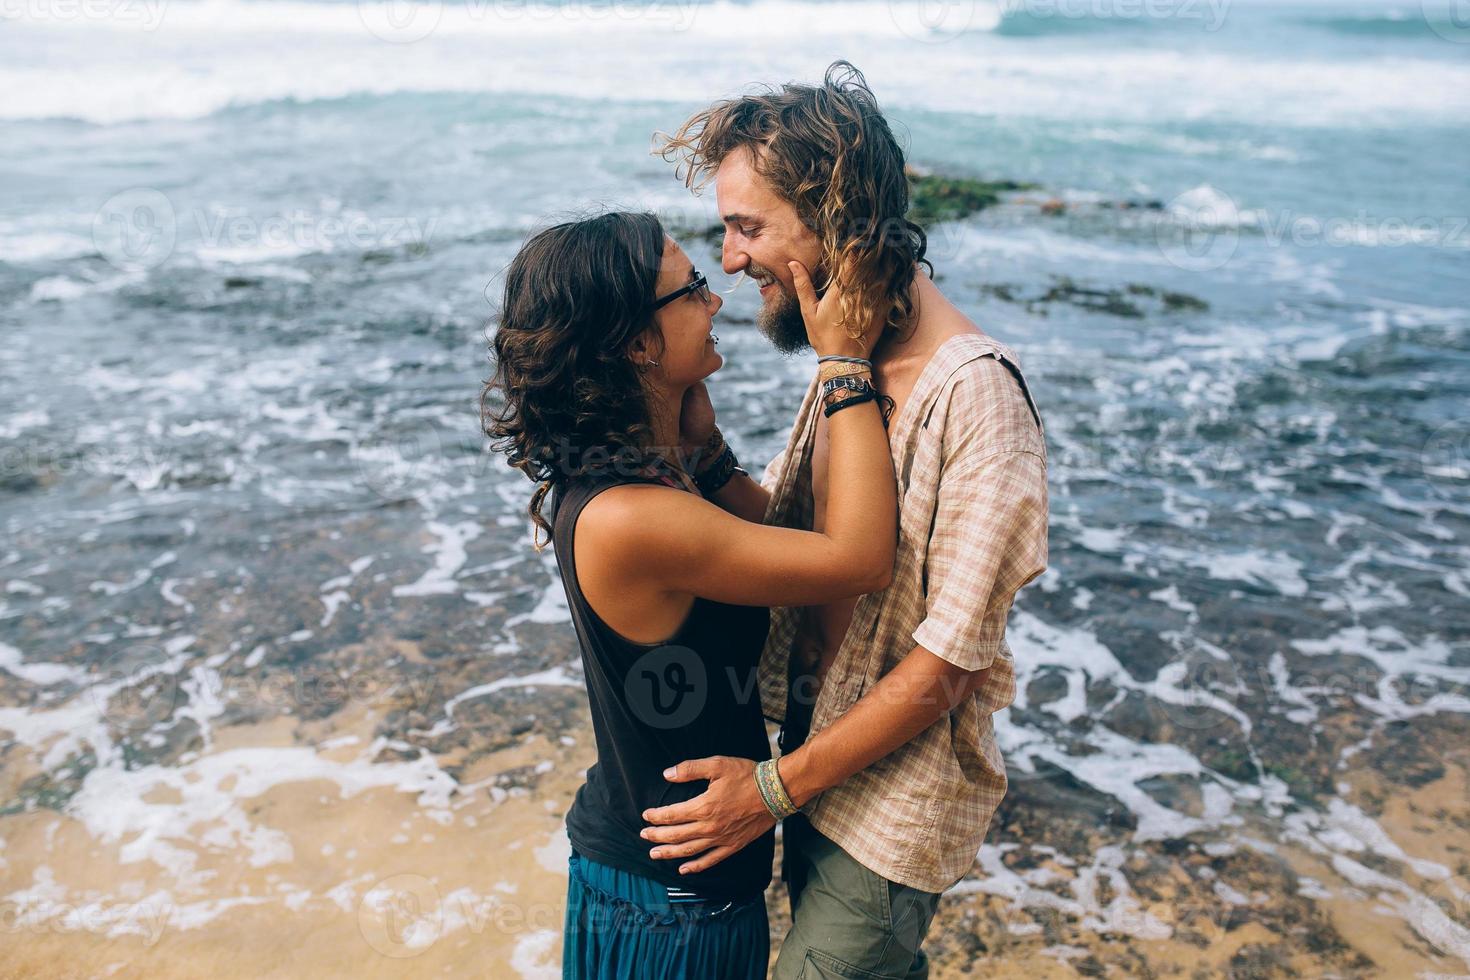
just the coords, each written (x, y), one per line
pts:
(652, 362)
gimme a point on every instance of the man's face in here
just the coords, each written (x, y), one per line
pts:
(762, 234)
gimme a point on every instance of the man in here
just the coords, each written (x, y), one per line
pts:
(886, 701)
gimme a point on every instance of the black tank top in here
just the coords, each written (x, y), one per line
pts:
(654, 705)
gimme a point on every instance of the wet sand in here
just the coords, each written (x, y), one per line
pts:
(376, 883)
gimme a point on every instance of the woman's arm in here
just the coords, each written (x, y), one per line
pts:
(683, 544)
(743, 497)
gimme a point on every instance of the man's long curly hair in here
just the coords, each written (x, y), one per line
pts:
(566, 399)
(828, 151)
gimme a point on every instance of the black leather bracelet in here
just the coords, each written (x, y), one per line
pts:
(835, 407)
(702, 458)
(712, 480)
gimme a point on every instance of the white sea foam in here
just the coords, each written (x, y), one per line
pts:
(13, 425)
(449, 557)
(58, 288)
(17, 244)
(38, 673)
(1139, 137)
(552, 606)
(203, 57)
(1122, 913)
(554, 677)
(332, 601)
(114, 804)
(1122, 763)
(203, 686)
(58, 733)
(533, 957)
(46, 904)
(554, 853)
(1116, 765)
(1344, 830)
(1278, 570)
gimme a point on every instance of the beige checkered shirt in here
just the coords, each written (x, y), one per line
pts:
(970, 455)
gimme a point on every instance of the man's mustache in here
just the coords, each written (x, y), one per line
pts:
(761, 272)
(819, 277)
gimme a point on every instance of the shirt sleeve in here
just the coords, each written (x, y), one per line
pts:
(989, 540)
(773, 472)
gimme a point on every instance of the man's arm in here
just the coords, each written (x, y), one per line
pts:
(989, 542)
(915, 694)
(730, 814)
(919, 691)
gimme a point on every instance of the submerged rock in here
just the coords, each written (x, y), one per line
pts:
(1114, 301)
(934, 198)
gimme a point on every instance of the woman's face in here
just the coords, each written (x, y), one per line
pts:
(689, 354)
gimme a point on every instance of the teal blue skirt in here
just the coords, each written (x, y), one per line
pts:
(622, 926)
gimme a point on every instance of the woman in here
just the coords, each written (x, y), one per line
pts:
(605, 338)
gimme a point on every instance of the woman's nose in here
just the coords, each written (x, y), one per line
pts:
(716, 301)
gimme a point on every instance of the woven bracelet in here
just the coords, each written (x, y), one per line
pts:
(773, 793)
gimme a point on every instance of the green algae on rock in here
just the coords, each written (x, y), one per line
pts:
(1114, 301)
(934, 198)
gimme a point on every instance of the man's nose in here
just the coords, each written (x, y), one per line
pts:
(732, 260)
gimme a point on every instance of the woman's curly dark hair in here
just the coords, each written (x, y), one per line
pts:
(566, 399)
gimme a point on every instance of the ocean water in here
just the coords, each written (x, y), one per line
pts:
(247, 252)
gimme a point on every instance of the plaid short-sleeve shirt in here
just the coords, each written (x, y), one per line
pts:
(970, 455)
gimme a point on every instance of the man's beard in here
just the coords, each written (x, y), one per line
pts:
(782, 324)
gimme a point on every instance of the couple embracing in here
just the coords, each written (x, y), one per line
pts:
(857, 595)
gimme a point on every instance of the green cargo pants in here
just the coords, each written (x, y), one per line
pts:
(848, 921)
